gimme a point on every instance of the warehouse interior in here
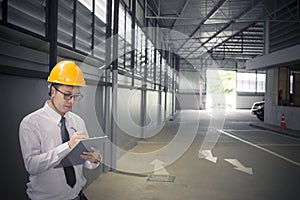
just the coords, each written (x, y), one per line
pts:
(144, 61)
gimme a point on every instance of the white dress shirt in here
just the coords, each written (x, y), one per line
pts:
(42, 150)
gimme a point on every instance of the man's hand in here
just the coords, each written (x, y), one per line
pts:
(76, 137)
(93, 156)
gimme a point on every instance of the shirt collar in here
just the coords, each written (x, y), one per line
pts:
(53, 114)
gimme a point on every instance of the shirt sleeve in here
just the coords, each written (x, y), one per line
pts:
(90, 165)
(36, 161)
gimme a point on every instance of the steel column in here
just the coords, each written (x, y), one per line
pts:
(52, 31)
(144, 84)
(74, 23)
(114, 85)
(173, 85)
(107, 68)
(4, 6)
(132, 59)
(107, 62)
(266, 37)
(93, 28)
(160, 90)
(167, 55)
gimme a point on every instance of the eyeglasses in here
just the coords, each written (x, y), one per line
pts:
(76, 97)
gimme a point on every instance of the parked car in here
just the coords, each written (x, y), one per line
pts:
(258, 109)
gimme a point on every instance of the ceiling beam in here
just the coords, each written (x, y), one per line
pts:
(168, 16)
(182, 10)
(230, 23)
(216, 7)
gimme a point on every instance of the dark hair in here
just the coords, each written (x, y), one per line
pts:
(57, 85)
(54, 85)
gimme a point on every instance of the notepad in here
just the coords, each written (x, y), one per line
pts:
(73, 157)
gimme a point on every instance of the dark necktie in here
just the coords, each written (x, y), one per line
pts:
(69, 171)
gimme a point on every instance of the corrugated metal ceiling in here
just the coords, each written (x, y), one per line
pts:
(225, 29)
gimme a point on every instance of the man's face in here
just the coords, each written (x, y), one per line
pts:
(61, 97)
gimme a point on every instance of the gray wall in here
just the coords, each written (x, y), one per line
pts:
(191, 86)
(129, 116)
(246, 102)
(128, 119)
(188, 101)
(20, 96)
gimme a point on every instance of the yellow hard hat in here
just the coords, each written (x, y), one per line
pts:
(66, 73)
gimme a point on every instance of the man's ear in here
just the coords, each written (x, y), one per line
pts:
(51, 90)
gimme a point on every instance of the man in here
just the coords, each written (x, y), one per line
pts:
(49, 134)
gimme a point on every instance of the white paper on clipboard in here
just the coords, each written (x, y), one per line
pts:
(73, 157)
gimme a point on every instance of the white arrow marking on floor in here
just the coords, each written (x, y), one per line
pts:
(239, 166)
(158, 167)
(261, 148)
(207, 154)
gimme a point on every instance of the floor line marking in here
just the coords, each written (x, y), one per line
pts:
(248, 130)
(261, 148)
(265, 131)
(279, 145)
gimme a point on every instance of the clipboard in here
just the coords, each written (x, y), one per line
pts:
(73, 157)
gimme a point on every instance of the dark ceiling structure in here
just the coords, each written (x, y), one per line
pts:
(225, 29)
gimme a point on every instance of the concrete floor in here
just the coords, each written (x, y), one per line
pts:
(194, 178)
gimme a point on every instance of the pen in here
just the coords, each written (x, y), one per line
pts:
(74, 129)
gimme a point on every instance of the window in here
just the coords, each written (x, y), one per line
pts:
(29, 15)
(127, 2)
(260, 82)
(283, 86)
(250, 82)
(87, 3)
(140, 13)
(121, 35)
(84, 24)
(289, 86)
(295, 83)
(100, 10)
(65, 22)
